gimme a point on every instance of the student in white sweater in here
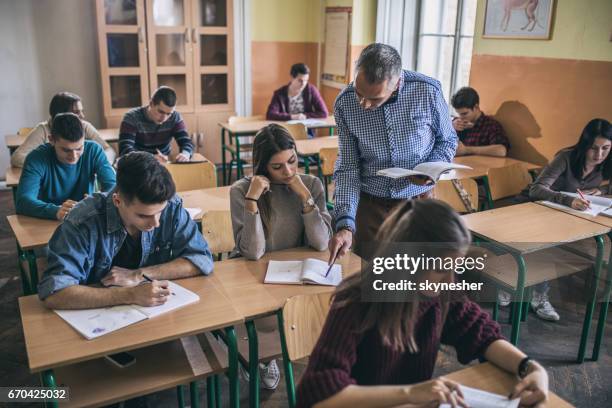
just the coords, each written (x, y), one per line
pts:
(277, 209)
(61, 102)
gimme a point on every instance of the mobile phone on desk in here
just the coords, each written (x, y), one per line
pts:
(121, 360)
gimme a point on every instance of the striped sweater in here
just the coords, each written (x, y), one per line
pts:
(342, 356)
(139, 133)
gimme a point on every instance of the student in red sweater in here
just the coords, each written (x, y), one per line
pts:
(382, 354)
(297, 100)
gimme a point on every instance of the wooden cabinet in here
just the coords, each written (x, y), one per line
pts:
(185, 44)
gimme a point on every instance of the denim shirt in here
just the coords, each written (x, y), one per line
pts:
(82, 249)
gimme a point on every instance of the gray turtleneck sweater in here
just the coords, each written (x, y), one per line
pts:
(289, 227)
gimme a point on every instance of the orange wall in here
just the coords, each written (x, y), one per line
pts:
(543, 103)
(271, 62)
(329, 93)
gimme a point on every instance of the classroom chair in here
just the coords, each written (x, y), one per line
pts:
(506, 182)
(217, 230)
(300, 323)
(185, 361)
(27, 263)
(193, 175)
(445, 190)
(24, 131)
(239, 147)
(327, 158)
(297, 130)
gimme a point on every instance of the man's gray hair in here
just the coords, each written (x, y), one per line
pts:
(379, 62)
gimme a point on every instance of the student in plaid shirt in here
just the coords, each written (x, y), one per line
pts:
(478, 133)
(387, 117)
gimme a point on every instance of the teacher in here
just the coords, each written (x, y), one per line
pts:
(387, 117)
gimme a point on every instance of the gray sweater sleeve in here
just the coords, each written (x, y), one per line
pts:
(317, 223)
(541, 188)
(248, 229)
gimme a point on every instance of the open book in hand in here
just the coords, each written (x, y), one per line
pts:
(475, 398)
(431, 170)
(309, 271)
(92, 323)
(599, 205)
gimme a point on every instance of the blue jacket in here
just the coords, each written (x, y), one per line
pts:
(82, 249)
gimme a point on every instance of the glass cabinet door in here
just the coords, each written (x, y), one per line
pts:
(171, 48)
(213, 59)
(123, 58)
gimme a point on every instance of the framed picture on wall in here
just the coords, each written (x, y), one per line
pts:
(518, 19)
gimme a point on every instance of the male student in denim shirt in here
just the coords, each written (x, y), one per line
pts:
(121, 239)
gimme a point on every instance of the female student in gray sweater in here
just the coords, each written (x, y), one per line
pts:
(277, 208)
(584, 166)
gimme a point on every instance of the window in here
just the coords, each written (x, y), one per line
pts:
(434, 37)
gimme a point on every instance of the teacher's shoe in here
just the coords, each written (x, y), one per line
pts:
(542, 307)
(503, 298)
(269, 374)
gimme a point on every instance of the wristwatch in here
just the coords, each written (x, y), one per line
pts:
(308, 203)
(524, 366)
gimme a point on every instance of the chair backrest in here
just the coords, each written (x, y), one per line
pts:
(303, 319)
(217, 229)
(328, 156)
(232, 120)
(193, 175)
(445, 191)
(297, 130)
(24, 131)
(508, 181)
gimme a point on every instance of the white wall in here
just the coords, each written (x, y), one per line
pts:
(48, 46)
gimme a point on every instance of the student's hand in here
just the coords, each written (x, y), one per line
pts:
(340, 244)
(65, 209)
(436, 392)
(162, 158)
(533, 389)
(150, 294)
(459, 124)
(580, 204)
(421, 180)
(182, 157)
(298, 116)
(593, 191)
(462, 150)
(119, 276)
(298, 187)
(259, 185)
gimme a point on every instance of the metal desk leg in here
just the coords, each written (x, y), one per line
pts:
(518, 297)
(232, 346)
(286, 362)
(48, 380)
(487, 187)
(240, 170)
(253, 364)
(194, 394)
(586, 326)
(180, 396)
(306, 164)
(223, 159)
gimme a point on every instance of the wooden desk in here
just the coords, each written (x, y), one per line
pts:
(52, 343)
(207, 199)
(14, 141)
(235, 130)
(529, 227)
(489, 378)
(482, 164)
(310, 148)
(13, 174)
(242, 281)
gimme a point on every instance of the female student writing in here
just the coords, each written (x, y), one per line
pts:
(382, 354)
(582, 167)
(277, 208)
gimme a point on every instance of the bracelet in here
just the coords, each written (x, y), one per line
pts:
(250, 199)
(523, 365)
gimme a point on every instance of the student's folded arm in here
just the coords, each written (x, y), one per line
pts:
(275, 109)
(189, 244)
(34, 139)
(319, 108)
(495, 150)
(104, 171)
(127, 138)
(541, 188)
(247, 227)
(445, 144)
(469, 329)
(347, 178)
(317, 223)
(27, 202)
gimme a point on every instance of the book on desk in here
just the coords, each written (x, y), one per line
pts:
(310, 271)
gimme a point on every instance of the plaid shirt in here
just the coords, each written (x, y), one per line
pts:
(485, 132)
(413, 127)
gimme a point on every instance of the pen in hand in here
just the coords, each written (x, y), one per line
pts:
(331, 265)
(584, 198)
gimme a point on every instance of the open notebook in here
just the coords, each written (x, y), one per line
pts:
(475, 398)
(92, 323)
(309, 271)
(599, 205)
(432, 170)
(308, 122)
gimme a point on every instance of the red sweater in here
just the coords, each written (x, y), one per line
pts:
(314, 106)
(342, 356)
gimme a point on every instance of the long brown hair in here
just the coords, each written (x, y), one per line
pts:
(423, 222)
(268, 141)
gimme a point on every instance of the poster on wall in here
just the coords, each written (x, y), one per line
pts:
(518, 19)
(337, 49)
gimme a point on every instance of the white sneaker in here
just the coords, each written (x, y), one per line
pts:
(243, 373)
(503, 298)
(269, 375)
(542, 307)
